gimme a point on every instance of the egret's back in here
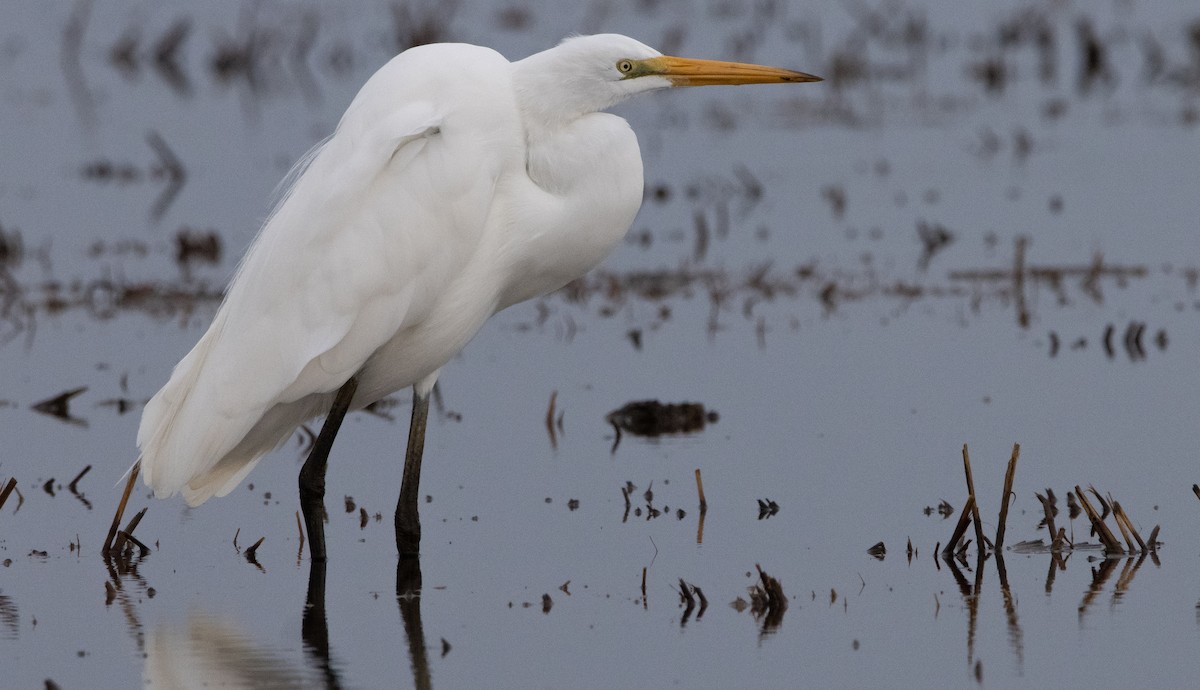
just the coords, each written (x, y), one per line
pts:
(389, 216)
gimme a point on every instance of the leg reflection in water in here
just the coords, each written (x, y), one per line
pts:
(408, 595)
(314, 630)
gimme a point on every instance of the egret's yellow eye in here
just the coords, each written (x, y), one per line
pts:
(625, 66)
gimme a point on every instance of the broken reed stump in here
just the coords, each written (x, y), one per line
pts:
(974, 501)
(1047, 502)
(1111, 544)
(700, 490)
(252, 551)
(768, 600)
(75, 482)
(961, 528)
(685, 595)
(8, 489)
(1008, 482)
(127, 533)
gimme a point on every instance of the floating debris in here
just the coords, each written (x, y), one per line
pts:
(767, 600)
(651, 418)
(767, 508)
(879, 550)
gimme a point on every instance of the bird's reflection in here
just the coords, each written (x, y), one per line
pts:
(211, 651)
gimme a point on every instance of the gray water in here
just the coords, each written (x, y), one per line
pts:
(980, 229)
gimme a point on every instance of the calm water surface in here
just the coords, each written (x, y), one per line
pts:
(980, 229)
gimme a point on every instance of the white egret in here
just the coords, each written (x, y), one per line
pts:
(455, 185)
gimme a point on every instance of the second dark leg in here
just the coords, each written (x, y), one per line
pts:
(312, 474)
(408, 519)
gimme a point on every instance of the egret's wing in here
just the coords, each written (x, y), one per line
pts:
(355, 248)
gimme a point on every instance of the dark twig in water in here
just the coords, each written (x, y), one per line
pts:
(1008, 482)
(1048, 508)
(75, 482)
(8, 489)
(1196, 490)
(168, 166)
(235, 536)
(703, 601)
(252, 551)
(688, 600)
(767, 508)
(961, 527)
(126, 533)
(59, 406)
(129, 538)
(1153, 539)
(550, 421)
(685, 595)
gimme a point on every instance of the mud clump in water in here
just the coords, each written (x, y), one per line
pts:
(653, 418)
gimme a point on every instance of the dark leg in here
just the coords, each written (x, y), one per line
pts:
(408, 521)
(312, 475)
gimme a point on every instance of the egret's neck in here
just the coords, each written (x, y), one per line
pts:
(553, 89)
(589, 173)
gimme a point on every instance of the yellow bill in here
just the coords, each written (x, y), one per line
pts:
(694, 72)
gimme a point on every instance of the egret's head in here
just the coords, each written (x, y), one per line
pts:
(591, 73)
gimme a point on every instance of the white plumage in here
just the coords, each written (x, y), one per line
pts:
(456, 184)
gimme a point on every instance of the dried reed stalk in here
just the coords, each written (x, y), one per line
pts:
(1122, 517)
(116, 522)
(1008, 482)
(974, 502)
(961, 528)
(1048, 508)
(1110, 542)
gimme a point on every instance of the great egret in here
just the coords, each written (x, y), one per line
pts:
(455, 185)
